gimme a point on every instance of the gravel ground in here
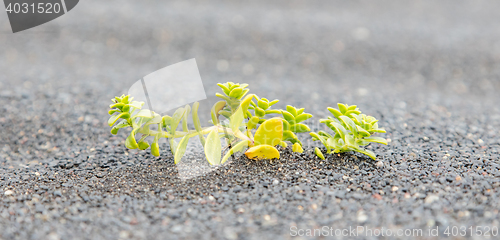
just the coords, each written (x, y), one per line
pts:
(429, 71)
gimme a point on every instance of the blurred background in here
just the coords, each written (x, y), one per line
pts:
(395, 58)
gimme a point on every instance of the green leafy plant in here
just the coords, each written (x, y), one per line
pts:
(243, 121)
(351, 131)
(228, 120)
(292, 123)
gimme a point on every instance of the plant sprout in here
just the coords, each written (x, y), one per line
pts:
(352, 130)
(234, 108)
(243, 122)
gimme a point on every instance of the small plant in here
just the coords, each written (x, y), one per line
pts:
(228, 123)
(352, 130)
(259, 134)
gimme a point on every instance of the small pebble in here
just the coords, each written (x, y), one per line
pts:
(431, 198)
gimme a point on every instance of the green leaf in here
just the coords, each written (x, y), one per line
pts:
(273, 102)
(352, 107)
(286, 125)
(333, 143)
(114, 130)
(176, 119)
(342, 108)
(181, 149)
(236, 148)
(288, 117)
(335, 112)
(117, 105)
(232, 86)
(259, 112)
(350, 142)
(155, 149)
(253, 105)
(319, 153)
(245, 103)
(273, 111)
(367, 152)
(362, 142)
(213, 148)
(225, 113)
(356, 118)
(318, 137)
(143, 145)
(224, 88)
(236, 92)
(325, 121)
(125, 99)
(300, 111)
(125, 115)
(303, 117)
(291, 110)
(289, 136)
(166, 120)
(374, 124)
(338, 129)
(362, 132)
(215, 111)
(325, 134)
(196, 122)
(126, 108)
(252, 123)
(173, 145)
(223, 97)
(350, 124)
(120, 125)
(262, 104)
(110, 112)
(244, 92)
(112, 120)
(187, 110)
(130, 142)
(235, 121)
(379, 130)
(350, 112)
(376, 140)
(299, 128)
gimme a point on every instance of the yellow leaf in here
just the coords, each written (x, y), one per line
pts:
(297, 148)
(319, 153)
(269, 132)
(262, 152)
